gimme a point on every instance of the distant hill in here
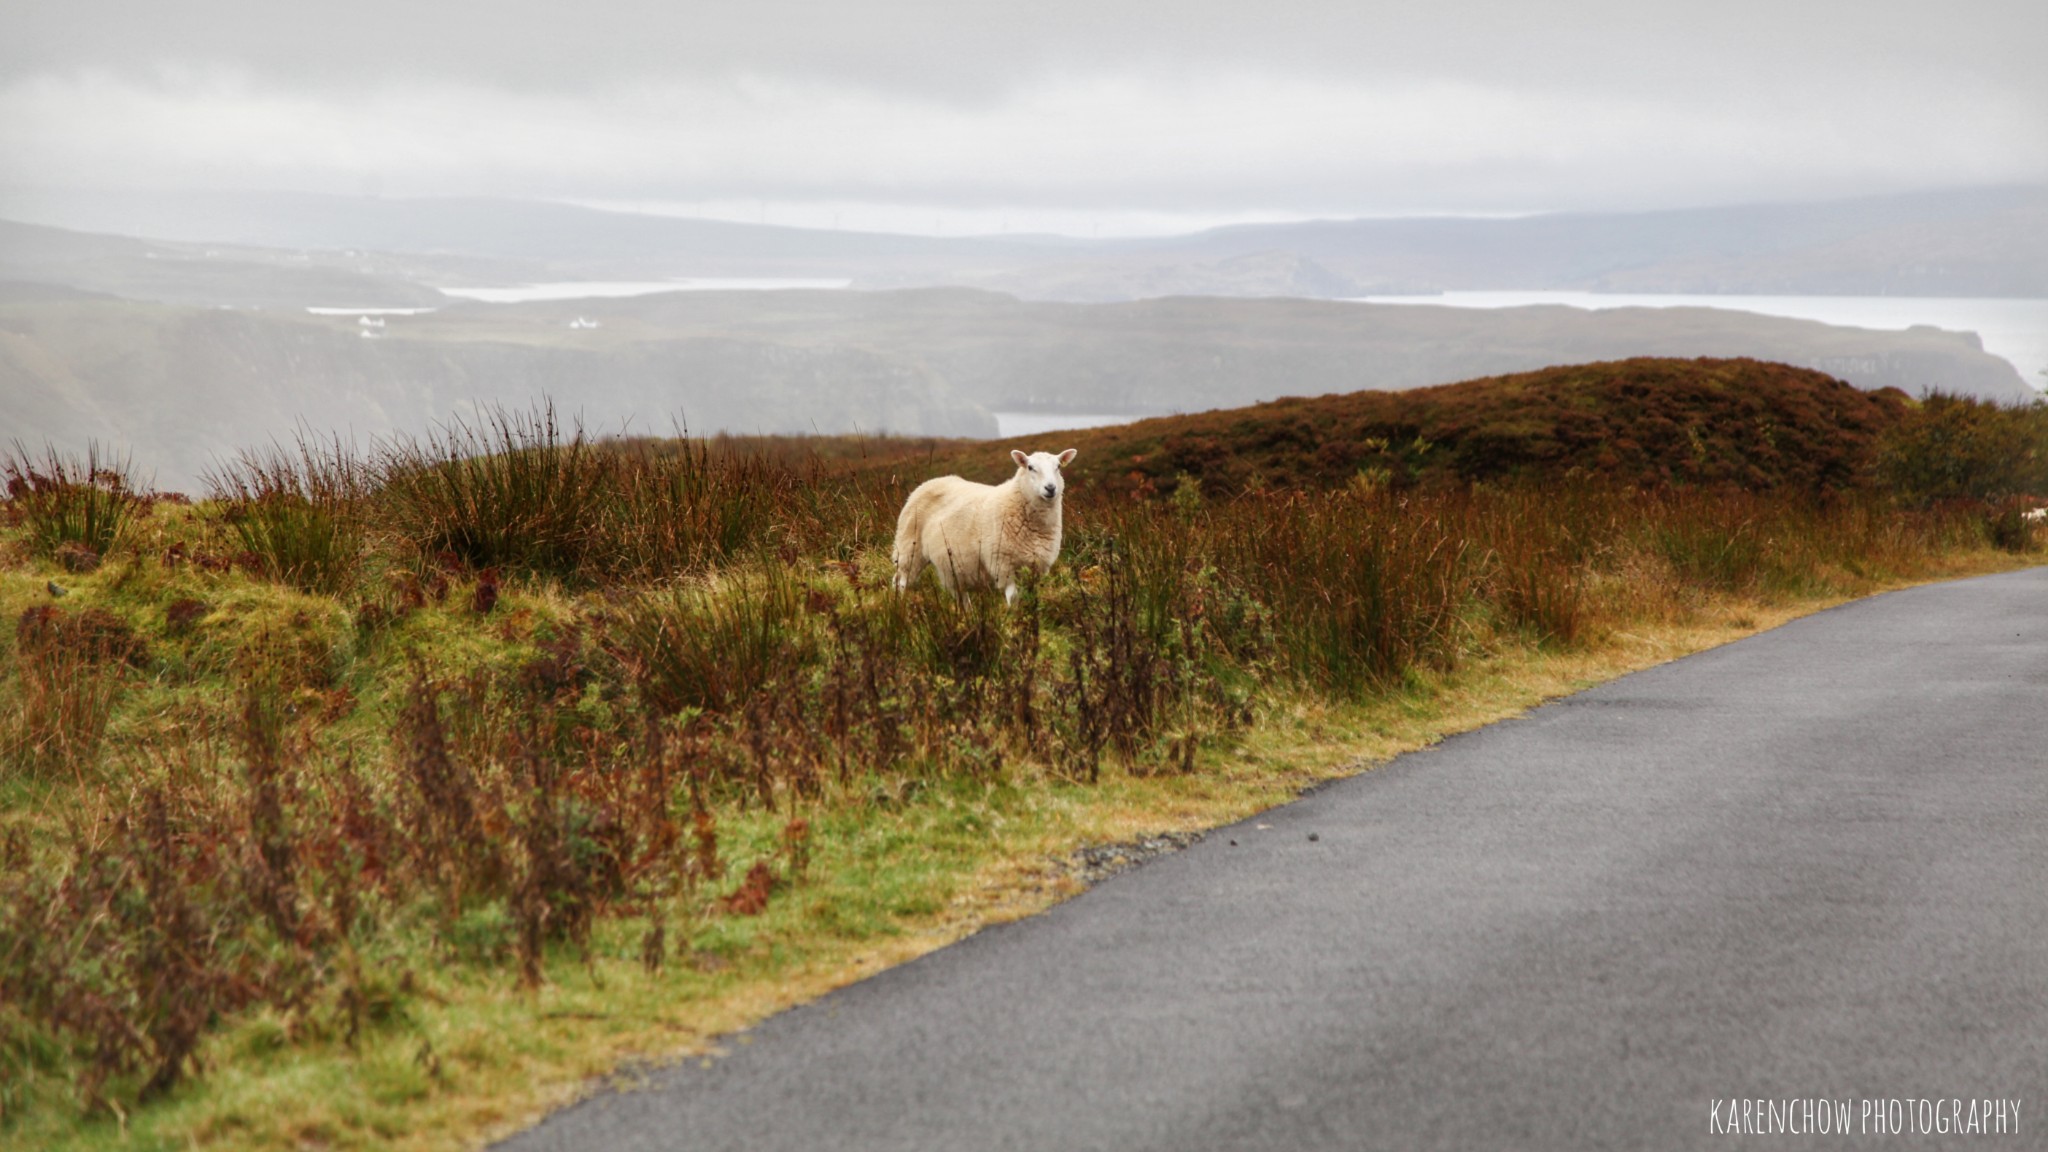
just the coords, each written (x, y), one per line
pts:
(226, 275)
(1971, 242)
(564, 241)
(1960, 242)
(183, 386)
(1653, 422)
(202, 275)
(1185, 354)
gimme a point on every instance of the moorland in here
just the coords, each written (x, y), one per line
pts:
(380, 796)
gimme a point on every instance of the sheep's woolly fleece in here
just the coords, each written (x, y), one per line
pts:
(983, 535)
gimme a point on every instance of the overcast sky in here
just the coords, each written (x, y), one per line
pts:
(1072, 115)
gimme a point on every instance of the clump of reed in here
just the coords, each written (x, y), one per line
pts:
(300, 511)
(62, 502)
(696, 505)
(514, 491)
(521, 493)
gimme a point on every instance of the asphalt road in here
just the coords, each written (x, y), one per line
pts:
(1811, 865)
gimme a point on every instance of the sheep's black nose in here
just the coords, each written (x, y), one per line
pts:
(1051, 490)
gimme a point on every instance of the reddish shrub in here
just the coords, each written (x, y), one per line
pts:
(751, 897)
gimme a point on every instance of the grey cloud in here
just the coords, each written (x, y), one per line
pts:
(1335, 107)
(974, 50)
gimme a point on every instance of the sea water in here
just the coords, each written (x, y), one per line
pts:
(1010, 424)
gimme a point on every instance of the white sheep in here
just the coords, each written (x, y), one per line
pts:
(982, 535)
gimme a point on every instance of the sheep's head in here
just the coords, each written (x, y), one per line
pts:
(1039, 474)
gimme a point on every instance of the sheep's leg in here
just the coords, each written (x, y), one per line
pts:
(909, 563)
(1001, 574)
(947, 565)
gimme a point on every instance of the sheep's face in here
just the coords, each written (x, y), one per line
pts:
(1039, 475)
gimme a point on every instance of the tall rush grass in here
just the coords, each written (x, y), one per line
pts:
(300, 511)
(63, 502)
(508, 490)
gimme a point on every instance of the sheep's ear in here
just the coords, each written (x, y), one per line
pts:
(1067, 457)
(1019, 457)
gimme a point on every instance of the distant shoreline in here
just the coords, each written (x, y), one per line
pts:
(2013, 328)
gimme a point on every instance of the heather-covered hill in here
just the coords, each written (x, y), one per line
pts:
(1705, 423)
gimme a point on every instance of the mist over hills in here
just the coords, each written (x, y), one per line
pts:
(213, 275)
(545, 240)
(1969, 242)
(1975, 242)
